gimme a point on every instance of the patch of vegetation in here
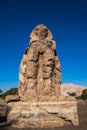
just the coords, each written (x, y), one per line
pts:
(12, 91)
(78, 97)
(1, 91)
(72, 94)
(84, 94)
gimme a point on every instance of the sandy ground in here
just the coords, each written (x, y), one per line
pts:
(82, 112)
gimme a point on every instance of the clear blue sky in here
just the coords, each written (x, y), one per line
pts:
(67, 20)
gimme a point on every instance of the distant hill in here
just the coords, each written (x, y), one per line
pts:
(65, 88)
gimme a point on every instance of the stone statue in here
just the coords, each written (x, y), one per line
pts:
(39, 103)
(40, 73)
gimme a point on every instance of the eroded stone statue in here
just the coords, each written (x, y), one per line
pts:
(40, 73)
(41, 104)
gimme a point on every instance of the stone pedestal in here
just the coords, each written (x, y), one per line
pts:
(43, 114)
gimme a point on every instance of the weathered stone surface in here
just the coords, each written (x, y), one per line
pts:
(43, 114)
(41, 65)
(10, 98)
(2, 101)
(2, 111)
(2, 107)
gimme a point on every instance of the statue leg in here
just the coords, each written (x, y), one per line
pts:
(48, 58)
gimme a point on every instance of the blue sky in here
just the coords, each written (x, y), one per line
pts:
(67, 20)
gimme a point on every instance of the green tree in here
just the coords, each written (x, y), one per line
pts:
(1, 91)
(72, 94)
(84, 94)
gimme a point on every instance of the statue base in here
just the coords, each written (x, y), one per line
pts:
(43, 114)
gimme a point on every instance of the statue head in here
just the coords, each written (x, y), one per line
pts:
(41, 32)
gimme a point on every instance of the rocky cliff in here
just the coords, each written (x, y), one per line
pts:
(71, 88)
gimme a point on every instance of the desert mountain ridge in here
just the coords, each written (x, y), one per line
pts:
(69, 87)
